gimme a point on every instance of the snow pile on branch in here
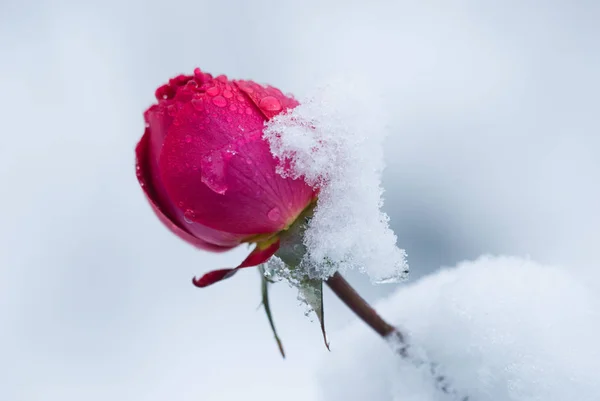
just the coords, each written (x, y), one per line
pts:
(500, 329)
(334, 141)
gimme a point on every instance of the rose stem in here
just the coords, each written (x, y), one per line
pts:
(361, 308)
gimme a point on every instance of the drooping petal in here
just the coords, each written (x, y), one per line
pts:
(165, 216)
(215, 164)
(259, 255)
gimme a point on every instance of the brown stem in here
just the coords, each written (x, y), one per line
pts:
(361, 308)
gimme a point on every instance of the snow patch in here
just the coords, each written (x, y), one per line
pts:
(498, 328)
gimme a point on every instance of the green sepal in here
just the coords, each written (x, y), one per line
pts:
(265, 302)
(312, 292)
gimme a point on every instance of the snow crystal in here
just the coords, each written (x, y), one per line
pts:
(334, 141)
(499, 329)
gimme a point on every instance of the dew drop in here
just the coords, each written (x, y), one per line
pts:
(233, 107)
(188, 216)
(248, 110)
(172, 110)
(213, 171)
(219, 101)
(274, 214)
(270, 103)
(246, 88)
(188, 138)
(213, 91)
(191, 84)
(227, 93)
(198, 104)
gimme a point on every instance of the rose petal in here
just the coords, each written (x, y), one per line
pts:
(216, 166)
(257, 256)
(143, 175)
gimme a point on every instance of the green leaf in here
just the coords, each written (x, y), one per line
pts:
(265, 302)
(312, 292)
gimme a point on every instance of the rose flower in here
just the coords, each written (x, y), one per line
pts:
(209, 174)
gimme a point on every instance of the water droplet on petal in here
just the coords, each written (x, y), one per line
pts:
(248, 110)
(198, 104)
(191, 84)
(188, 216)
(245, 87)
(233, 107)
(227, 93)
(188, 138)
(270, 103)
(213, 91)
(213, 171)
(274, 214)
(219, 101)
(172, 110)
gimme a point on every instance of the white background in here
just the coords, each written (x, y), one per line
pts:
(493, 148)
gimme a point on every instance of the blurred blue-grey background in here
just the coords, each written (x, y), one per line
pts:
(493, 148)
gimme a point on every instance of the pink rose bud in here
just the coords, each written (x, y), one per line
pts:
(209, 174)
